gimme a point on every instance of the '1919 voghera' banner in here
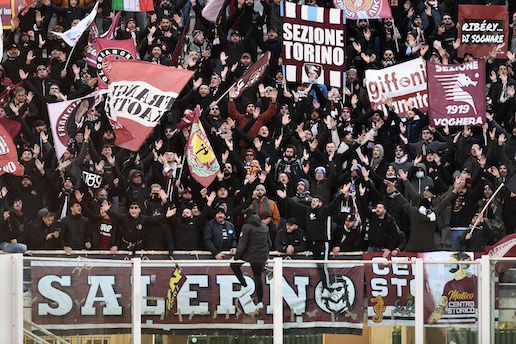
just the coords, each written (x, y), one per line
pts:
(139, 94)
(97, 296)
(314, 43)
(457, 93)
(402, 82)
(482, 28)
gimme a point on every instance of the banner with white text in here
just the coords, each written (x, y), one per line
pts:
(402, 82)
(314, 40)
(450, 297)
(482, 28)
(457, 94)
(96, 296)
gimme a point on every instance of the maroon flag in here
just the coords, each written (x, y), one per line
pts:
(91, 50)
(482, 28)
(186, 121)
(178, 53)
(456, 93)
(139, 94)
(313, 44)
(364, 9)
(252, 75)
(109, 50)
(8, 154)
(503, 248)
(12, 127)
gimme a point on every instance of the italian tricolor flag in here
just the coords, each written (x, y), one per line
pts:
(133, 5)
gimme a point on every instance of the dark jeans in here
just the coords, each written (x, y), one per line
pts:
(257, 275)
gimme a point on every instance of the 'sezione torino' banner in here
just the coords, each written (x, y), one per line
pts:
(402, 82)
(457, 93)
(314, 41)
(482, 28)
(97, 295)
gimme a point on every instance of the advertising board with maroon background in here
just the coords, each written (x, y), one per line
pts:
(482, 28)
(97, 296)
(456, 93)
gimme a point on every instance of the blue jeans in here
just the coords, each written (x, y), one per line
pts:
(13, 248)
(456, 235)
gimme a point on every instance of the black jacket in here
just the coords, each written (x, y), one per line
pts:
(254, 243)
(296, 238)
(75, 231)
(36, 237)
(317, 227)
(158, 237)
(132, 229)
(187, 234)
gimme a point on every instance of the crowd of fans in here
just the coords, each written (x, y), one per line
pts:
(318, 166)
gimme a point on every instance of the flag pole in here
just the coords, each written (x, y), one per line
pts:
(227, 91)
(485, 207)
(69, 57)
(182, 166)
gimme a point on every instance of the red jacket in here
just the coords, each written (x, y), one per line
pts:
(242, 119)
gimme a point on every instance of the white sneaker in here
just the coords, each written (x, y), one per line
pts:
(259, 307)
(244, 290)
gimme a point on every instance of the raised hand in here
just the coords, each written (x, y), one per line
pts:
(78, 195)
(501, 139)
(282, 194)
(403, 175)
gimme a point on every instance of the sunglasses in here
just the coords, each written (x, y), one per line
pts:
(214, 108)
(103, 194)
(249, 154)
(425, 133)
(134, 207)
(42, 68)
(399, 150)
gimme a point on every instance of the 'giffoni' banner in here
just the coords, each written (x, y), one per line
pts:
(139, 94)
(402, 82)
(314, 41)
(482, 28)
(450, 296)
(457, 93)
(364, 9)
(97, 296)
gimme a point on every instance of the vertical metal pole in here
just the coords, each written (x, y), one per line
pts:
(278, 301)
(484, 303)
(420, 315)
(17, 288)
(137, 300)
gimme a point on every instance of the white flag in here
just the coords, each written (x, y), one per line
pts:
(71, 37)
